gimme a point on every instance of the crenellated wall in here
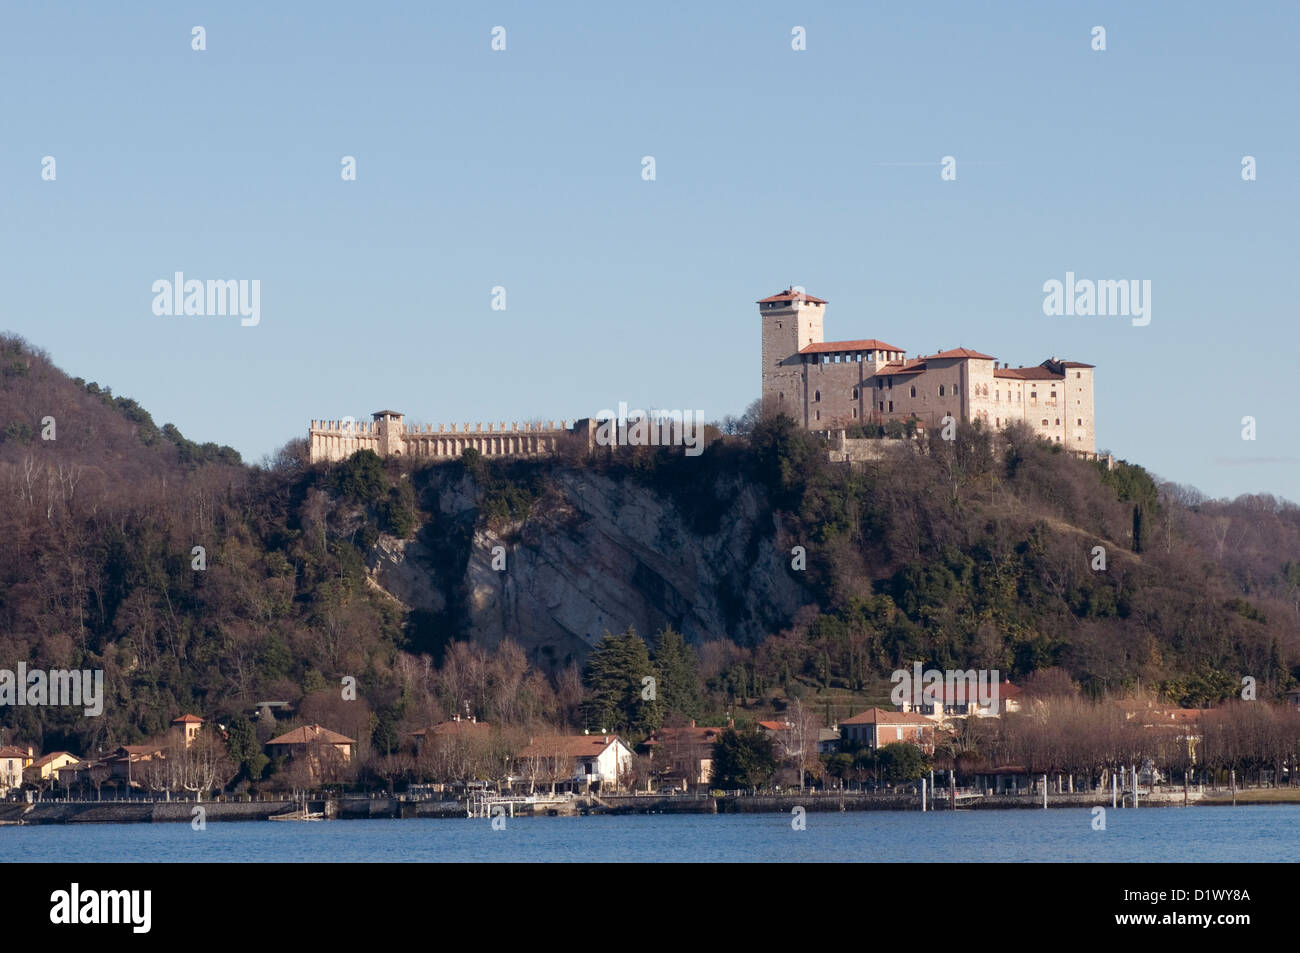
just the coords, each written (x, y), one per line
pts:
(337, 440)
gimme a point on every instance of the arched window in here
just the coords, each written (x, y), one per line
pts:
(940, 390)
(954, 390)
(855, 393)
(817, 396)
(913, 390)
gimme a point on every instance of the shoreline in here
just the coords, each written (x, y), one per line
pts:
(41, 813)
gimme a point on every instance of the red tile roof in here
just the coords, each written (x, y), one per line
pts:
(775, 725)
(1076, 364)
(309, 734)
(866, 344)
(573, 746)
(964, 352)
(1028, 374)
(789, 294)
(12, 751)
(895, 369)
(878, 716)
(187, 720)
(43, 760)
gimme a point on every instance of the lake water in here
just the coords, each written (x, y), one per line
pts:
(1207, 834)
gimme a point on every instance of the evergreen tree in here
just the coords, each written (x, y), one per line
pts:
(742, 759)
(679, 675)
(616, 691)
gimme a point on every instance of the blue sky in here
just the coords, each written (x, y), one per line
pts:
(522, 169)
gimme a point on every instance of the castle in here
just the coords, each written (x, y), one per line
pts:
(836, 385)
(823, 385)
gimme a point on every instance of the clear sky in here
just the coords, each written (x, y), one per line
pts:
(523, 169)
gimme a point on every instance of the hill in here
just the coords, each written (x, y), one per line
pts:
(975, 553)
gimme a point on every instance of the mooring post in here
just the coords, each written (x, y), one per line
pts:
(923, 795)
(1114, 788)
(1044, 792)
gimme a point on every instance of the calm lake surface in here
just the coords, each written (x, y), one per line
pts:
(1206, 834)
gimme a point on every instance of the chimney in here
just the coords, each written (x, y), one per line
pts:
(607, 739)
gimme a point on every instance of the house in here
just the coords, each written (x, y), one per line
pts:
(184, 730)
(959, 699)
(308, 739)
(876, 727)
(47, 767)
(603, 761)
(13, 761)
(683, 754)
(828, 740)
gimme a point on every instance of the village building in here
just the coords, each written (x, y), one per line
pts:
(184, 730)
(589, 762)
(960, 701)
(308, 741)
(682, 756)
(47, 766)
(875, 728)
(13, 761)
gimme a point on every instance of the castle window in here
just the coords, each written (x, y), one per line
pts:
(1079, 422)
(997, 421)
(855, 393)
(891, 406)
(819, 415)
(780, 395)
(913, 393)
(1044, 421)
(1033, 395)
(855, 413)
(954, 390)
(1058, 421)
(882, 405)
(940, 390)
(817, 396)
(1078, 374)
(997, 395)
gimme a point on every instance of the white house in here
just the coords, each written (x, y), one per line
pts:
(582, 759)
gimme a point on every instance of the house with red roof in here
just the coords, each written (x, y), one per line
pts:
(838, 385)
(875, 728)
(682, 756)
(586, 762)
(13, 761)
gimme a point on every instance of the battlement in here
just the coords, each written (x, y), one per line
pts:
(388, 434)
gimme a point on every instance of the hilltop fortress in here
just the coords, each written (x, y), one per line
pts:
(823, 385)
(835, 385)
